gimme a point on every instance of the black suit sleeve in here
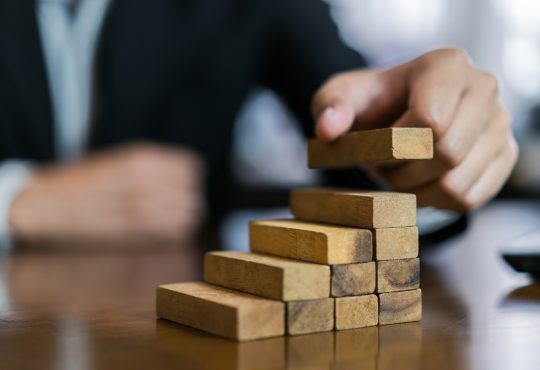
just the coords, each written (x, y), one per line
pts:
(304, 51)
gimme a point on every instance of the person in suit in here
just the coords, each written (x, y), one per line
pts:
(116, 115)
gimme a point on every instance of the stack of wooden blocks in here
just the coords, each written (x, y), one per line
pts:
(349, 259)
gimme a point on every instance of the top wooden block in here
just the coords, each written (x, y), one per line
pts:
(366, 209)
(381, 145)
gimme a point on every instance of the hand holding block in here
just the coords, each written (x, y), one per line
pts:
(220, 311)
(396, 275)
(313, 316)
(367, 209)
(353, 279)
(356, 312)
(267, 276)
(381, 145)
(398, 307)
(311, 242)
(395, 243)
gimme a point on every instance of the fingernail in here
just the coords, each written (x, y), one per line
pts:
(329, 114)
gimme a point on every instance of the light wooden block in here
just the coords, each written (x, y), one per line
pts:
(380, 145)
(395, 243)
(313, 316)
(398, 307)
(356, 312)
(311, 242)
(367, 209)
(397, 275)
(267, 276)
(220, 311)
(353, 279)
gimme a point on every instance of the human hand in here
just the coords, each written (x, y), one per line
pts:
(137, 195)
(474, 150)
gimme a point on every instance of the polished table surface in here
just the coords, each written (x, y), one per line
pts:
(95, 310)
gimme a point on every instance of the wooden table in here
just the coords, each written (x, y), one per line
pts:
(94, 310)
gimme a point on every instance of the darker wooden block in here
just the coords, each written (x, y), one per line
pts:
(353, 279)
(312, 316)
(398, 307)
(397, 275)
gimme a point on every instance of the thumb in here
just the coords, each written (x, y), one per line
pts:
(357, 100)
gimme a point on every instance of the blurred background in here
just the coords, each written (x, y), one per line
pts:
(501, 36)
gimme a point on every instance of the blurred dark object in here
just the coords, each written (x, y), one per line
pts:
(523, 253)
(524, 261)
(457, 226)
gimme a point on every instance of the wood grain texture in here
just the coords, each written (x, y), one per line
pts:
(311, 242)
(267, 276)
(364, 209)
(397, 275)
(356, 312)
(398, 307)
(395, 243)
(380, 145)
(220, 311)
(313, 316)
(353, 279)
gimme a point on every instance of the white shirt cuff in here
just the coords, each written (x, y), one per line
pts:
(14, 176)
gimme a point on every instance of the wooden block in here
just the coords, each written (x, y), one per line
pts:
(381, 145)
(395, 243)
(313, 316)
(311, 242)
(353, 279)
(267, 276)
(397, 275)
(220, 311)
(356, 312)
(398, 307)
(368, 209)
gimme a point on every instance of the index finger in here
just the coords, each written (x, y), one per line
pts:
(437, 82)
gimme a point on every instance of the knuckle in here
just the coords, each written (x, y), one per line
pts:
(466, 204)
(456, 56)
(141, 161)
(449, 156)
(505, 118)
(428, 118)
(514, 149)
(491, 82)
(454, 191)
(450, 187)
(452, 55)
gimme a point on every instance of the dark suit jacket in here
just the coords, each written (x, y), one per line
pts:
(172, 71)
